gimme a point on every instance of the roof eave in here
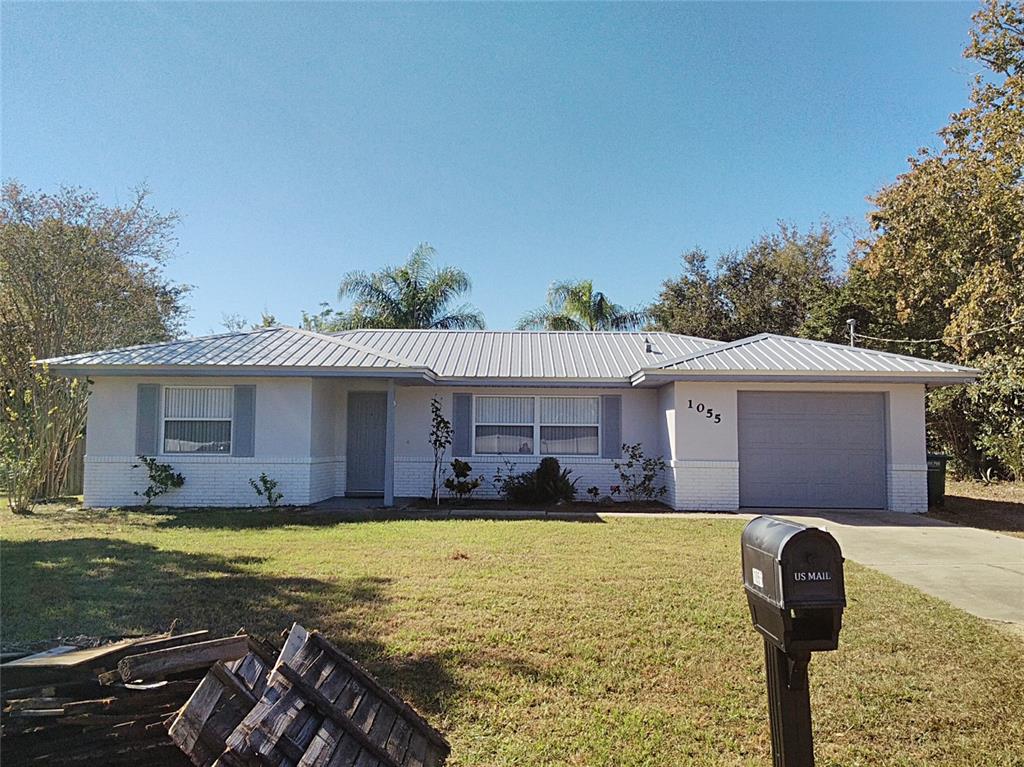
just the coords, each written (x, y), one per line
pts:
(935, 378)
(265, 371)
(534, 381)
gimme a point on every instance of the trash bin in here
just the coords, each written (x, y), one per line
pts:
(937, 478)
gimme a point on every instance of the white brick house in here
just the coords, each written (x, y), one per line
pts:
(767, 421)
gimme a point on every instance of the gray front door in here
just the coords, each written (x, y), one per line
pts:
(365, 452)
(812, 450)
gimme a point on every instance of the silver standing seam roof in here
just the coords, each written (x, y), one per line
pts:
(475, 354)
(509, 357)
(770, 355)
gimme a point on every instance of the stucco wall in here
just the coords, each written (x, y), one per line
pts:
(414, 458)
(282, 447)
(301, 436)
(706, 461)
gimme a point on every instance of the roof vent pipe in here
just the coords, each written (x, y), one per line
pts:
(647, 346)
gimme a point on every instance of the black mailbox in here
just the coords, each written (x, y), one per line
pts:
(793, 576)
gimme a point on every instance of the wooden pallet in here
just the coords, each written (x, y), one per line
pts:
(322, 708)
(220, 702)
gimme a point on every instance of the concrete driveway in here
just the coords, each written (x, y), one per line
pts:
(978, 571)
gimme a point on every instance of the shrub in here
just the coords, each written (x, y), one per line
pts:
(162, 478)
(460, 484)
(638, 474)
(549, 483)
(502, 475)
(594, 492)
(266, 487)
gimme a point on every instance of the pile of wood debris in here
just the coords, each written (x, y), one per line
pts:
(181, 698)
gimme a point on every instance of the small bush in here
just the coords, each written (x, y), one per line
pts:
(162, 477)
(502, 475)
(266, 487)
(459, 484)
(638, 475)
(549, 483)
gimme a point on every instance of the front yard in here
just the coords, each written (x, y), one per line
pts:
(998, 507)
(624, 642)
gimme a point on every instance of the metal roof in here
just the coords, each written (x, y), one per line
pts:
(772, 354)
(261, 348)
(484, 356)
(499, 354)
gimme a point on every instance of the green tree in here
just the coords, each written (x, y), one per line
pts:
(577, 306)
(771, 287)
(74, 276)
(691, 304)
(415, 294)
(945, 260)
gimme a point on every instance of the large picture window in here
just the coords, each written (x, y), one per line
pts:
(197, 419)
(537, 425)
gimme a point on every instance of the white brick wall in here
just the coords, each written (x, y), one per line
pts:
(323, 478)
(209, 480)
(706, 485)
(908, 488)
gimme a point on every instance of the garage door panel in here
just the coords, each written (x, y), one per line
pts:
(821, 449)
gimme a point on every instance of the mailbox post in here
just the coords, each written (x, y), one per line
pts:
(793, 576)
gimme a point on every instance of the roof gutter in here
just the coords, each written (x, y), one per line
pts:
(248, 371)
(935, 378)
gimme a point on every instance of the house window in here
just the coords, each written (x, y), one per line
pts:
(537, 425)
(504, 425)
(197, 419)
(569, 425)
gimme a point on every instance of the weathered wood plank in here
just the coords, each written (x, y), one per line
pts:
(20, 704)
(398, 740)
(345, 754)
(187, 658)
(81, 663)
(55, 656)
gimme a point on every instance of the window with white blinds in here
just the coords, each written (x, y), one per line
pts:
(504, 425)
(197, 419)
(537, 425)
(569, 425)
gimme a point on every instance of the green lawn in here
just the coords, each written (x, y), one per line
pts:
(537, 643)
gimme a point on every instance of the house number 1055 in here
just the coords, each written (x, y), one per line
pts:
(708, 412)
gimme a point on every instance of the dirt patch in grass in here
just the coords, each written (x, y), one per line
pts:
(538, 642)
(997, 506)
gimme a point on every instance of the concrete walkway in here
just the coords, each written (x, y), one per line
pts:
(979, 571)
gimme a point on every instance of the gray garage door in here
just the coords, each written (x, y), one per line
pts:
(812, 450)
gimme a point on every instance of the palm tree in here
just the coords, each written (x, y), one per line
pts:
(414, 295)
(576, 306)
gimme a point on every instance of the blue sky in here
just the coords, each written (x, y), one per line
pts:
(527, 143)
